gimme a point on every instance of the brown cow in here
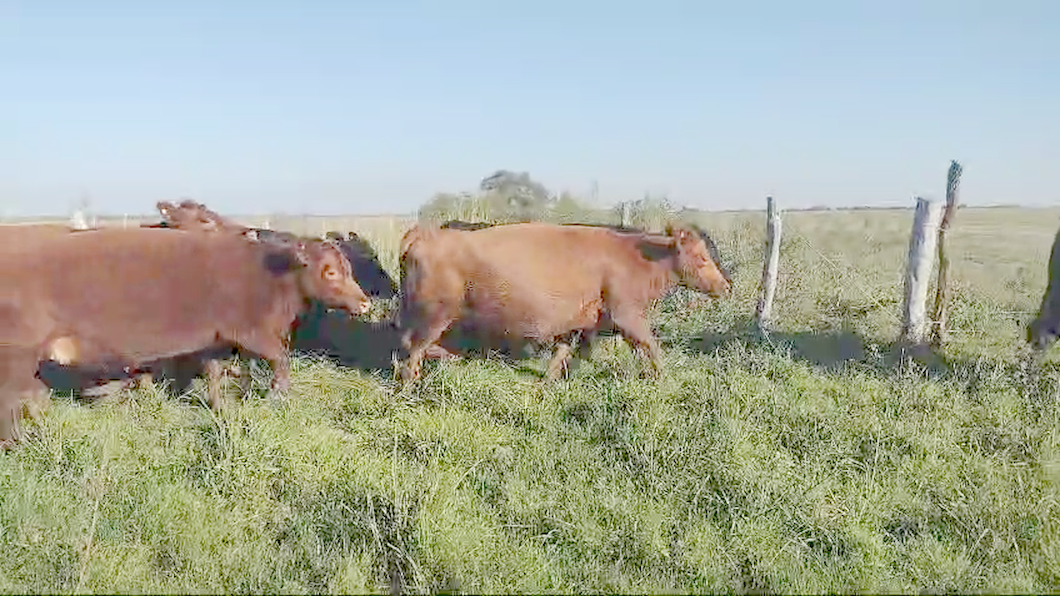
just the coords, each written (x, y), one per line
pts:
(142, 295)
(543, 283)
(83, 378)
(367, 270)
(191, 215)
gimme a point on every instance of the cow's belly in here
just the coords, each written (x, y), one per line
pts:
(138, 342)
(540, 318)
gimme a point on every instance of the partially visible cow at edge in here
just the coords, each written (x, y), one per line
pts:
(125, 298)
(1045, 328)
(545, 283)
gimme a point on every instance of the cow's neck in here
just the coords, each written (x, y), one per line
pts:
(662, 276)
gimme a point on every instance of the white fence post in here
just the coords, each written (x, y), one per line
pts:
(922, 244)
(772, 262)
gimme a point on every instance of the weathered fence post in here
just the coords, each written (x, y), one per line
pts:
(764, 310)
(940, 316)
(918, 270)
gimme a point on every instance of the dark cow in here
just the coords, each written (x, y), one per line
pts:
(139, 296)
(352, 342)
(544, 283)
(456, 224)
(1045, 328)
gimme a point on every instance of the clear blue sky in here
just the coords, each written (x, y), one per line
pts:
(371, 107)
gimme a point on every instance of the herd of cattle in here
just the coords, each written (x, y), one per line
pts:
(84, 309)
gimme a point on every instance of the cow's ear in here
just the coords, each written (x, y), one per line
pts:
(656, 248)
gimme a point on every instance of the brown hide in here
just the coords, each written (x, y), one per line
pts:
(84, 377)
(22, 237)
(139, 296)
(541, 283)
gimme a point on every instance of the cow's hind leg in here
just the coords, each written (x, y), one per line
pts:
(214, 379)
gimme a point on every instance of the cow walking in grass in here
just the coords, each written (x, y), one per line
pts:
(542, 283)
(140, 296)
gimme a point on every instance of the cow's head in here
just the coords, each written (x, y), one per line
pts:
(189, 215)
(696, 262)
(367, 269)
(324, 274)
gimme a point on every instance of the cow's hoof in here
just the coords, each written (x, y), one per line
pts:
(276, 397)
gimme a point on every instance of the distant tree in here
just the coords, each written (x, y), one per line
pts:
(567, 209)
(516, 194)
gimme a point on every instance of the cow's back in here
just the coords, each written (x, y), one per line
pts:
(152, 290)
(530, 280)
(18, 238)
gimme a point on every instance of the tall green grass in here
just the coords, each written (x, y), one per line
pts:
(811, 462)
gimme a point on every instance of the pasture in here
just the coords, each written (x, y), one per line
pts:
(815, 461)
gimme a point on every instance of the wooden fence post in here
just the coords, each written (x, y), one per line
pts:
(940, 316)
(918, 270)
(769, 269)
(79, 221)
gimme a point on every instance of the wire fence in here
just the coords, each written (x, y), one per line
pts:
(839, 270)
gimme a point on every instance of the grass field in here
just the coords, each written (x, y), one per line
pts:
(810, 463)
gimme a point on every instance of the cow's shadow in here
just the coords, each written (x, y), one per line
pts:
(374, 347)
(828, 350)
